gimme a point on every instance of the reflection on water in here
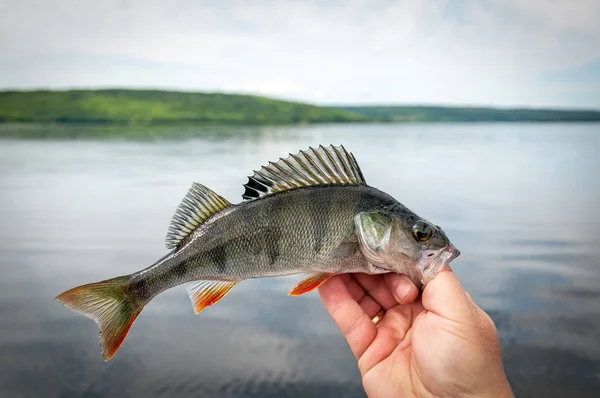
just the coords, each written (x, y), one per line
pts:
(520, 201)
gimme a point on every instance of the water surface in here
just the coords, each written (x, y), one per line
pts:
(519, 200)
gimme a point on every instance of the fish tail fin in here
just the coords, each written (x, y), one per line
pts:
(111, 303)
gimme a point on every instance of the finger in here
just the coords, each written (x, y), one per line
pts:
(402, 288)
(376, 288)
(369, 306)
(445, 296)
(345, 277)
(391, 332)
(381, 348)
(356, 291)
(366, 302)
(355, 325)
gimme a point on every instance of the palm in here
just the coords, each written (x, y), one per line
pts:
(390, 356)
(411, 352)
(408, 338)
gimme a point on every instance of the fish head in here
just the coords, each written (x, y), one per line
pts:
(395, 239)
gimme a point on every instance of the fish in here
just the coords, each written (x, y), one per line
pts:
(310, 213)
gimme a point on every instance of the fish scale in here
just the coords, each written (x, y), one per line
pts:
(311, 213)
(282, 241)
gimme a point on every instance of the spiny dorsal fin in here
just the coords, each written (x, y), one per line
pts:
(196, 207)
(320, 166)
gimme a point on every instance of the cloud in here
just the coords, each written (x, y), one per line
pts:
(503, 52)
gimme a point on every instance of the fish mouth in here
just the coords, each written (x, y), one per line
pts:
(434, 264)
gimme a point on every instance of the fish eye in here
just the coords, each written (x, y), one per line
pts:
(421, 231)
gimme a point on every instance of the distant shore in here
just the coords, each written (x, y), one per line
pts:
(167, 108)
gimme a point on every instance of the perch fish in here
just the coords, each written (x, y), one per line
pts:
(311, 213)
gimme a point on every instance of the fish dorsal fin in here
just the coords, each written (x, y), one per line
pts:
(316, 166)
(196, 207)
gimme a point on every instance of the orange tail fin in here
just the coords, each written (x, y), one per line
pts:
(108, 304)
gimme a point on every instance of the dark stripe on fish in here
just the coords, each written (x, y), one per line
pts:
(143, 289)
(218, 255)
(273, 236)
(255, 244)
(273, 245)
(180, 270)
(319, 216)
(253, 215)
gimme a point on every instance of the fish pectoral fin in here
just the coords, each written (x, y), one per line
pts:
(207, 293)
(309, 284)
(346, 248)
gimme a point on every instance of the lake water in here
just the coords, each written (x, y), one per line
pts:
(519, 200)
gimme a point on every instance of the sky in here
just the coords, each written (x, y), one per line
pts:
(540, 53)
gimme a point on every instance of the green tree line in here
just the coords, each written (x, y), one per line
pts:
(157, 107)
(471, 114)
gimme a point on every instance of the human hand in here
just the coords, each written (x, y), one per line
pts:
(437, 345)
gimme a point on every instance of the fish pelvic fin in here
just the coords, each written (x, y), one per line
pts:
(309, 284)
(206, 293)
(110, 304)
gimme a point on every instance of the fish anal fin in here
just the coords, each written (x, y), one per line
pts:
(309, 284)
(206, 293)
(199, 204)
(316, 166)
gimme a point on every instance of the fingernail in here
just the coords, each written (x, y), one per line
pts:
(403, 286)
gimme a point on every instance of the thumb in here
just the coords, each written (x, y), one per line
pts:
(445, 296)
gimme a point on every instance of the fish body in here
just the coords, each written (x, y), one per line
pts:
(310, 213)
(288, 233)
